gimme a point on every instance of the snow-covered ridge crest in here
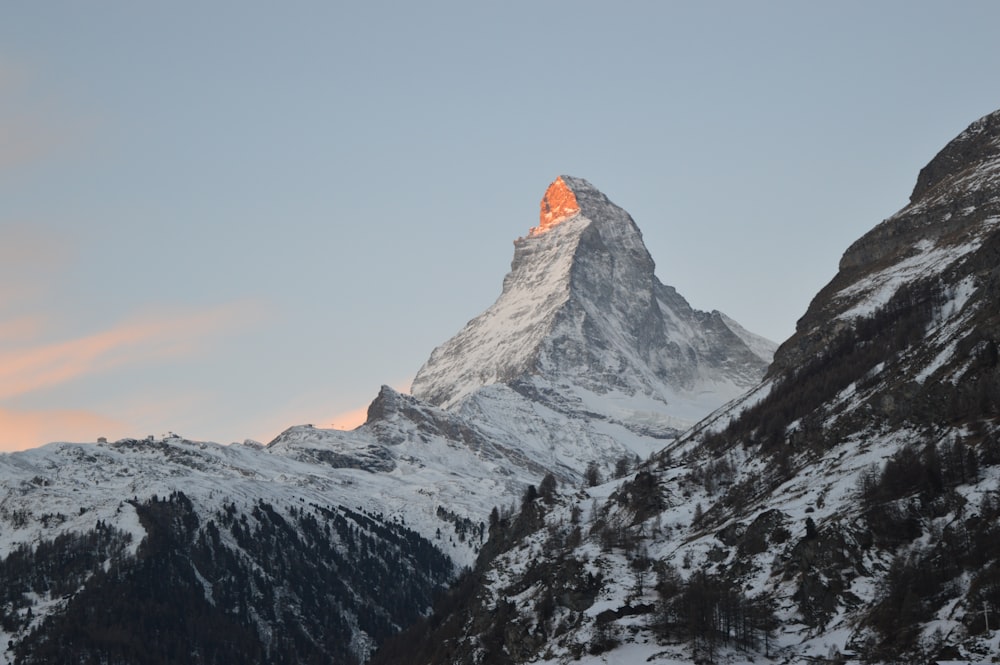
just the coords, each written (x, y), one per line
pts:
(503, 342)
(850, 500)
(581, 309)
(585, 358)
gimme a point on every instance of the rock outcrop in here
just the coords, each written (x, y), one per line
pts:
(558, 205)
(582, 310)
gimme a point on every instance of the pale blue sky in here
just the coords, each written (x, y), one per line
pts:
(226, 218)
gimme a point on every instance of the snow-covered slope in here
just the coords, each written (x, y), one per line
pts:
(207, 516)
(845, 509)
(584, 326)
(323, 542)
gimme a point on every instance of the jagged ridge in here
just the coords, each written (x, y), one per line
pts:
(581, 308)
(845, 509)
(244, 538)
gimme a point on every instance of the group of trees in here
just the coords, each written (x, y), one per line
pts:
(903, 500)
(54, 568)
(463, 526)
(711, 611)
(917, 483)
(925, 472)
(922, 578)
(846, 358)
(266, 584)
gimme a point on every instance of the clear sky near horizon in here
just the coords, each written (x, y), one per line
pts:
(225, 218)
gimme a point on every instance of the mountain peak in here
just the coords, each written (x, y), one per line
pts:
(952, 214)
(581, 307)
(978, 144)
(558, 204)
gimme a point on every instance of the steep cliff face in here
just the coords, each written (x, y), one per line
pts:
(558, 204)
(319, 545)
(846, 508)
(953, 213)
(584, 326)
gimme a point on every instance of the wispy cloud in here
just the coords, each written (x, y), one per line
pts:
(158, 337)
(43, 347)
(29, 369)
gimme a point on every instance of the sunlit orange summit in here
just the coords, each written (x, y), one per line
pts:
(558, 205)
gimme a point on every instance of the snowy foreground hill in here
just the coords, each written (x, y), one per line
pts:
(322, 544)
(845, 509)
(839, 504)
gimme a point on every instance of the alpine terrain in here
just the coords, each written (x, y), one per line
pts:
(319, 546)
(845, 509)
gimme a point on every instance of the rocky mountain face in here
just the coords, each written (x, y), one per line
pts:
(845, 509)
(952, 212)
(584, 327)
(318, 546)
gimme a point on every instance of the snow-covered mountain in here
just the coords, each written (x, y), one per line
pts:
(846, 509)
(584, 326)
(322, 543)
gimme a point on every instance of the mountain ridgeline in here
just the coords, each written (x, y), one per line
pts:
(322, 544)
(582, 315)
(845, 509)
(589, 471)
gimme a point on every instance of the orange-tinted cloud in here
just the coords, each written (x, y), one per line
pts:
(20, 430)
(35, 357)
(30, 368)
